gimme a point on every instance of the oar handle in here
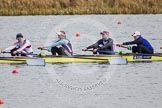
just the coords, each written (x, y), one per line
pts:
(40, 54)
(104, 52)
(124, 46)
(118, 53)
(89, 50)
(40, 48)
(43, 48)
(4, 52)
(127, 47)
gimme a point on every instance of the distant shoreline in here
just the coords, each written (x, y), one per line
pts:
(78, 7)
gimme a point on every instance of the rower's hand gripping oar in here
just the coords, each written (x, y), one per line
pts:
(41, 48)
(127, 47)
(34, 61)
(7, 49)
(3, 52)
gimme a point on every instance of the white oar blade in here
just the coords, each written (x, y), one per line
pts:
(36, 62)
(118, 61)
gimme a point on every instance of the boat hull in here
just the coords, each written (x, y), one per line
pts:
(82, 59)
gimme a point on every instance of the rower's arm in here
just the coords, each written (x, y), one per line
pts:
(94, 45)
(10, 48)
(109, 44)
(24, 46)
(133, 42)
(57, 43)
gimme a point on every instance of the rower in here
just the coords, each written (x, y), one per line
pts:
(143, 46)
(22, 47)
(103, 46)
(59, 47)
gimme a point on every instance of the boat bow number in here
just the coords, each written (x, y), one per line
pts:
(142, 57)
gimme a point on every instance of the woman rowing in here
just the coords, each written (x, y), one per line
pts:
(59, 47)
(22, 47)
(103, 46)
(143, 46)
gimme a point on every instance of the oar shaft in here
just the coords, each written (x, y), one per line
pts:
(4, 52)
(106, 52)
(124, 46)
(111, 52)
(127, 47)
(30, 54)
(43, 48)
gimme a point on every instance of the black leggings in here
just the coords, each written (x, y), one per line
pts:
(23, 54)
(60, 51)
(141, 49)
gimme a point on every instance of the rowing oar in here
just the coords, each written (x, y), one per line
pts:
(111, 52)
(30, 55)
(127, 47)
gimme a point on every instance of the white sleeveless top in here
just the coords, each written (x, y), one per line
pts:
(24, 46)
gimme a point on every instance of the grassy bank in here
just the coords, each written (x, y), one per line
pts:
(66, 7)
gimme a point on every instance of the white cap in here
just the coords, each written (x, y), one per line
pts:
(61, 33)
(136, 33)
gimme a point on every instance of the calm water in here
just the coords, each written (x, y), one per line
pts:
(81, 85)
